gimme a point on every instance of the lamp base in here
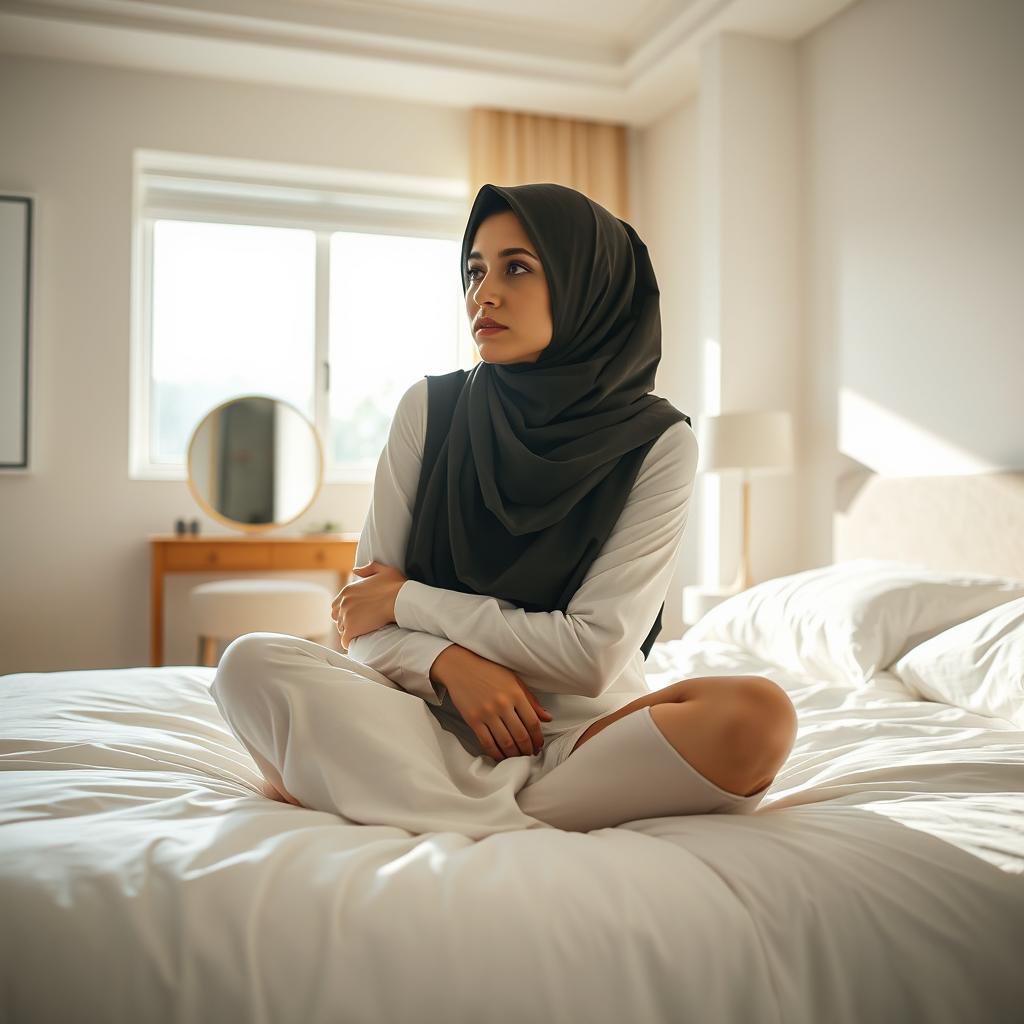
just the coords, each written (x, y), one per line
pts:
(743, 580)
(698, 601)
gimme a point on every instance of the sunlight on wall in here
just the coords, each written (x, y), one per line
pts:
(891, 445)
(710, 483)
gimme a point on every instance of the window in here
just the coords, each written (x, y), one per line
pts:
(393, 319)
(335, 295)
(232, 313)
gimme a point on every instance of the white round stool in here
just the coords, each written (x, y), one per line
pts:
(225, 609)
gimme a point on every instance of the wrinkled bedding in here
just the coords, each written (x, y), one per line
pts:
(144, 876)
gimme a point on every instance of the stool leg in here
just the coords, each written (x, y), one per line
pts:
(208, 651)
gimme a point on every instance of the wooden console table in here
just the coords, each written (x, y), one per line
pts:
(243, 553)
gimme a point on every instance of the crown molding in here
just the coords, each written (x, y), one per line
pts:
(424, 54)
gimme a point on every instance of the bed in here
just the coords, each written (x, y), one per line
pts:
(144, 875)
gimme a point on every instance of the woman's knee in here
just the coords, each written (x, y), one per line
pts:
(760, 725)
(772, 708)
(744, 727)
(243, 664)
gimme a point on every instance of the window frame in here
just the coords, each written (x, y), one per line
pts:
(179, 187)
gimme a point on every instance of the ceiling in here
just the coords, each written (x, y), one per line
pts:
(603, 60)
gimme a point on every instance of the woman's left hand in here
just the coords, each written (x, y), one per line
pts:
(368, 603)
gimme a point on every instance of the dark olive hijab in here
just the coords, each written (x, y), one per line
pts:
(532, 463)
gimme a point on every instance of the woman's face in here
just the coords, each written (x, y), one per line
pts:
(509, 287)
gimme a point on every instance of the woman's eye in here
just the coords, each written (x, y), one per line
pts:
(472, 270)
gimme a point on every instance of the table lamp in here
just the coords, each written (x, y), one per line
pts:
(755, 443)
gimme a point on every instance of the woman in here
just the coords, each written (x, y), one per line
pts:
(525, 523)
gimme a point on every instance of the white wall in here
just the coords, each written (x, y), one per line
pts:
(914, 244)
(909, 243)
(720, 206)
(663, 209)
(73, 555)
(748, 149)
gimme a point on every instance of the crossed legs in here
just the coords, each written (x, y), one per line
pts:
(310, 720)
(707, 745)
(736, 731)
(334, 735)
(700, 745)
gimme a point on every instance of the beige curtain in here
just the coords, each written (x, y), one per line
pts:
(512, 148)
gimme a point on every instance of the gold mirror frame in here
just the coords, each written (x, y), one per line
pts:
(234, 524)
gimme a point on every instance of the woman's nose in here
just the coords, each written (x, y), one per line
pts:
(487, 293)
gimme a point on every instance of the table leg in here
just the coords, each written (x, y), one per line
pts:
(208, 651)
(156, 607)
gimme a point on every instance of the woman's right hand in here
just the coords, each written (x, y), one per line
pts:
(494, 702)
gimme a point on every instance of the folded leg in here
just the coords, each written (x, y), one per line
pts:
(340, 737)
(625, 772)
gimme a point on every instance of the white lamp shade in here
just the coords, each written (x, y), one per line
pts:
(760, 442)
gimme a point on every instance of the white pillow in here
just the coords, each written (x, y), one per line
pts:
(977, 665)
(848, 621)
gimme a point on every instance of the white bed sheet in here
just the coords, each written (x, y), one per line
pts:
(144, 876)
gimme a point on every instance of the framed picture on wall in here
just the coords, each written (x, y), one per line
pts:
(15, 296)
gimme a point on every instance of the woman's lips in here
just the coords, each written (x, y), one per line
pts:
(490, 330)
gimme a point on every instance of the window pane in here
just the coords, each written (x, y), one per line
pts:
(396, 305)
(233, 314)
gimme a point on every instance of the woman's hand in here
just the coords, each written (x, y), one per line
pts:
(494, 702)
(367, 603)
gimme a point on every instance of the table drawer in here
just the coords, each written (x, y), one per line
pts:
(219, 556)
(314, 556)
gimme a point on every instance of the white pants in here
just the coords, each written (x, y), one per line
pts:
(341, 737)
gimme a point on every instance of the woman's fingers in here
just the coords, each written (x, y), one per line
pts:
(498, 742)
(512, 737)
(503, 737)
(521, 738)
(532, 728)
(542, 712)
(487, 743)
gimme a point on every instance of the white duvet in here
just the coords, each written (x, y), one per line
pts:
(144, 876)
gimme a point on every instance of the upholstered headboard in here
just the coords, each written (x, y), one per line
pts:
(971, 523)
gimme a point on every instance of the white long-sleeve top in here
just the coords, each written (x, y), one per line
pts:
(581, 663)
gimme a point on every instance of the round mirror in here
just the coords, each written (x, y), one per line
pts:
(255, 463)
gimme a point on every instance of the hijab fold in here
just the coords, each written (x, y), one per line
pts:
(527, 466)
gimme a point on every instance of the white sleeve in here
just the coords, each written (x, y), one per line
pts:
(404, 655)
(586, 648)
